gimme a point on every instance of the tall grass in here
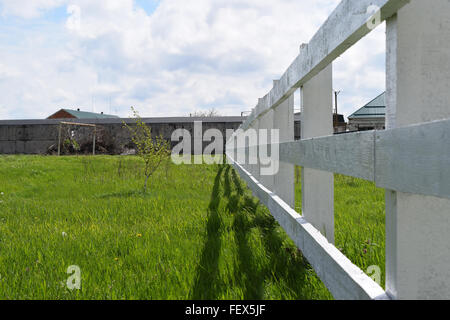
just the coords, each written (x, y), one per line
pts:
(196, 234)
(359, 208)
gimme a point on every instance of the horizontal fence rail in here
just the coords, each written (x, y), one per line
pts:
(380, 157)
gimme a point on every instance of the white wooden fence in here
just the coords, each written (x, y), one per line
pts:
(411, 159)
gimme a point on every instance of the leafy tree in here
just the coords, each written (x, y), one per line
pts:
(153, 151)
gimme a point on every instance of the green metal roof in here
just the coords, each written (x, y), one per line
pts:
(374, 109)
(89, 115)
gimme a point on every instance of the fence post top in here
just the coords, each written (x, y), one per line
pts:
(303, 46)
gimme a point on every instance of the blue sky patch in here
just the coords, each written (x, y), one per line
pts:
(148, 5)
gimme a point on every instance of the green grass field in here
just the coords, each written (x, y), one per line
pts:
(196, 234)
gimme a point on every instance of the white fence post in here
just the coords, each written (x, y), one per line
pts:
(266, 122)
(418, 90)
(284, 181)
(254, 150)
(318, 186)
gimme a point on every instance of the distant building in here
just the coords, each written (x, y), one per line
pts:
(339, 124)
(370, 117)
(77, 114)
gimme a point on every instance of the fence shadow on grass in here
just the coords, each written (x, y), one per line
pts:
(206, 286)
(263, 255)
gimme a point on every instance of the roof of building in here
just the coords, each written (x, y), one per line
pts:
(149, 121)
(374, 109)
(89, 115)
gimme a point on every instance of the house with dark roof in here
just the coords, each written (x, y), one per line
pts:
(78, 114)
(370, 117)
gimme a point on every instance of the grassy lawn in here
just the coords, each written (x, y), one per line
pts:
(196, 234)
(359, 214)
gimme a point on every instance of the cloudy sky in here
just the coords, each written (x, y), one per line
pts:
(165, 57)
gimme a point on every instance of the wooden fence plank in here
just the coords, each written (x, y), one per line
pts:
(417, 226)
(348, 154)
(265, 153)
(415, 159)
(317, 120)
(284, 180)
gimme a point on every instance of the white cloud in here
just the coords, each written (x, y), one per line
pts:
(186, 56)
(360, 72)
(26, 8)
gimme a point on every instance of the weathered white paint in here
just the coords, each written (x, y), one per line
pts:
(350, 154)
(317, 120)
(231, 146)
(254, 164)
(284, 181)
(343, 28)
(339, 274)
(415, 159)
(418, 80)
(246, 142)
(265, 138)
(424, 147)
